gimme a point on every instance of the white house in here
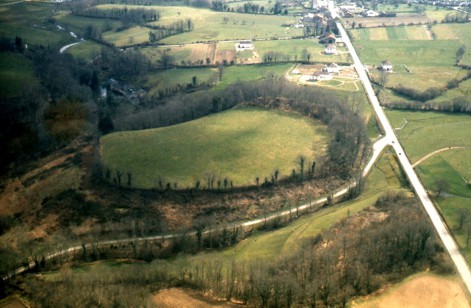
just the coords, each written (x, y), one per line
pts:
(330, 50)
(319, 76)
(386, 66)
(370, 13)
(245, 45)
(331, 68)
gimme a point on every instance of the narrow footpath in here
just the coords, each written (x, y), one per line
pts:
(439, 224)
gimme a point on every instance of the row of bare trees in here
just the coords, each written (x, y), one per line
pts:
(351, 259)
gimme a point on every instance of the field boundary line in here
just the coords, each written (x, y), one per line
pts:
(437, 152)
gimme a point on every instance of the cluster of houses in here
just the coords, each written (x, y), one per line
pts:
(349, 10)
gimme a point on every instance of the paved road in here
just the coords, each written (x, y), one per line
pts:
(428, 205)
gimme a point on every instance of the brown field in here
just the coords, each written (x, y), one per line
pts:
(228, 55)
(418, 33)
(378, 34)
(386, 21)
(423, 290)
(444, 32)
(203, 51)
(170, 298)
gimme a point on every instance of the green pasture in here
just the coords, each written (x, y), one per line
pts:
(28, 20)
(396, 33)
(131, 36)
(86, 50)
(79, 23)
(411, 53)
(179, 53)
(212, 26)
(294, 48)
(426, 132)
(16, 73)
(233, 74)
(463, 90)
(240, 144)
(415, 33)
(160, 80)
(455, 167)
(463, 32)
(447, 130)
(420, 77)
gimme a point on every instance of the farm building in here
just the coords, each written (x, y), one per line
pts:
(328, 38)
(330, 49)
(386, 66)
(319, 76)
(245, 45)
(331, 68)
(370, 13)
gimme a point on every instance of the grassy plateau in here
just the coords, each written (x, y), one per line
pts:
(239, 144)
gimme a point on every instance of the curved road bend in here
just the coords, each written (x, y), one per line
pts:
(442, 230)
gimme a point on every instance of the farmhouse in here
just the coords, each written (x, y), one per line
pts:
(370, 13)
(386, 66)
(328, 38)
(331, 68)
(245, 45)
(330, 50)
(319, 76)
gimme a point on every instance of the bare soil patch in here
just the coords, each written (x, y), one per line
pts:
(170, 298)
(424, 290)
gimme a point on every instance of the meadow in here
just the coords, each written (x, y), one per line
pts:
(235, 73)
(294, 48)
(86, 50)
(417, 61)
(160, 80)
(239, 145)
(28, 21)
(453, 165)
(211, 26)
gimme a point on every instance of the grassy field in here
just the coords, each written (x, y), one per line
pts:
(454, 165)
(131, 36)
(170, 78)
(210, 25)
(240, 144)
(294, 48)
(447, 130)
(79, 23)
(16, 73)
(236, 73)
(86, 50)
(429, 63)
(28, 21)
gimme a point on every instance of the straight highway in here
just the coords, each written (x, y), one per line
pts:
(391, 138)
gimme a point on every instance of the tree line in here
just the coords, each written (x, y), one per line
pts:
(325, 270)
(127, 16)
(163, 31)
